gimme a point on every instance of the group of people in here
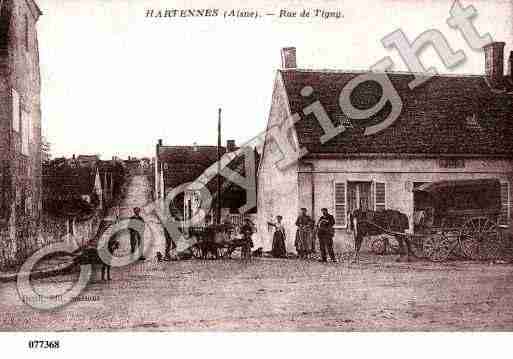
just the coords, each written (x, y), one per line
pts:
(306, 232)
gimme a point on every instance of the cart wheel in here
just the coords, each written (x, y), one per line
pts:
(438, 247)
(479, 238)
(196, 251)
(223, 251)
(379, 246)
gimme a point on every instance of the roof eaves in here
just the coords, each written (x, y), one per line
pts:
(356, 71)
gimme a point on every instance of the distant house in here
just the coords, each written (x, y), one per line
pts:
(178, 165)
(88, 160)
(133, 164)
(71, 191)
(451, 127)
(112, 177)
(75, 191)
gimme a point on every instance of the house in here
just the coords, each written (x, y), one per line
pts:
(68, 185)
(88, 160)
(112, 177)
(71, 191)
(133, 165)
(450, 128)
(76, 197)
(179, 165)
(20, 128)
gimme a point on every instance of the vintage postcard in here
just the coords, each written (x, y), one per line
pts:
(170, 166)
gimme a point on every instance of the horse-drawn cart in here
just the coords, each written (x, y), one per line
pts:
(216, 241)
(464, 219)
(453, 218)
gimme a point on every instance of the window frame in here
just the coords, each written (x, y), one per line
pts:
(26, 128)
(27, 33)
(508, 204)
(16, 110)
(335, 203)
(384, 203)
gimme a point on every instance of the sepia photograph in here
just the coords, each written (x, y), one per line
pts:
(319, 166)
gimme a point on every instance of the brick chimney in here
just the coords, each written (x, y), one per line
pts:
(494, 62)
(288, 58)
(230, 145)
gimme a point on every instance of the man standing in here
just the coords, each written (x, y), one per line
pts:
(325, 232)
(136, 228)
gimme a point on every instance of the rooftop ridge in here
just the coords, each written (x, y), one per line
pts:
(189, 146)
(342, 71)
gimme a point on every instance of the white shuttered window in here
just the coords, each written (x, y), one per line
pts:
(380, 196)
(340, 204)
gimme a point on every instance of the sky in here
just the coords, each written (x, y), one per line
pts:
(115, 81)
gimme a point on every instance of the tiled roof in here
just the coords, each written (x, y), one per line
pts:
(445, 115)
(69, 181)
(184, 164)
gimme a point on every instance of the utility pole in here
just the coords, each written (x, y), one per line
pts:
(219, 197)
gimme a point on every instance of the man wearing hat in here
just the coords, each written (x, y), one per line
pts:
(136, 229)
(325, 232)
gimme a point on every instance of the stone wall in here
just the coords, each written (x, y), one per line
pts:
(48, 230)
(20, 123)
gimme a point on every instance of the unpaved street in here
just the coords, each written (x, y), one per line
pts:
(269, 294)
(277, 294)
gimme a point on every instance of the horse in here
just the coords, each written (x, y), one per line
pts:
(368, 223)
(90, 255)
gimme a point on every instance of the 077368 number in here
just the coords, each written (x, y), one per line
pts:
(43, 344)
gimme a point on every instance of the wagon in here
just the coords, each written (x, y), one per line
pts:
(455, 218)
(218, 241)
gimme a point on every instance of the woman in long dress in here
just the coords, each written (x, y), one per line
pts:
(304, 234)
(279, 250)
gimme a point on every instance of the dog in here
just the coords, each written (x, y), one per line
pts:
(91, 256)
(258, 252)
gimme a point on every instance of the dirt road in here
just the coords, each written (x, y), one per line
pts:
(269, 294)
(275, 294)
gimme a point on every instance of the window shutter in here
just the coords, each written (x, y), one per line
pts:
(25, 132)
(15, 111)
(340, 204)
(380, 196)
(505, 202)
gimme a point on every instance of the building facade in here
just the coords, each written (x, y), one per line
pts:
(179, 165)
(449, 128)
(20, 129)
